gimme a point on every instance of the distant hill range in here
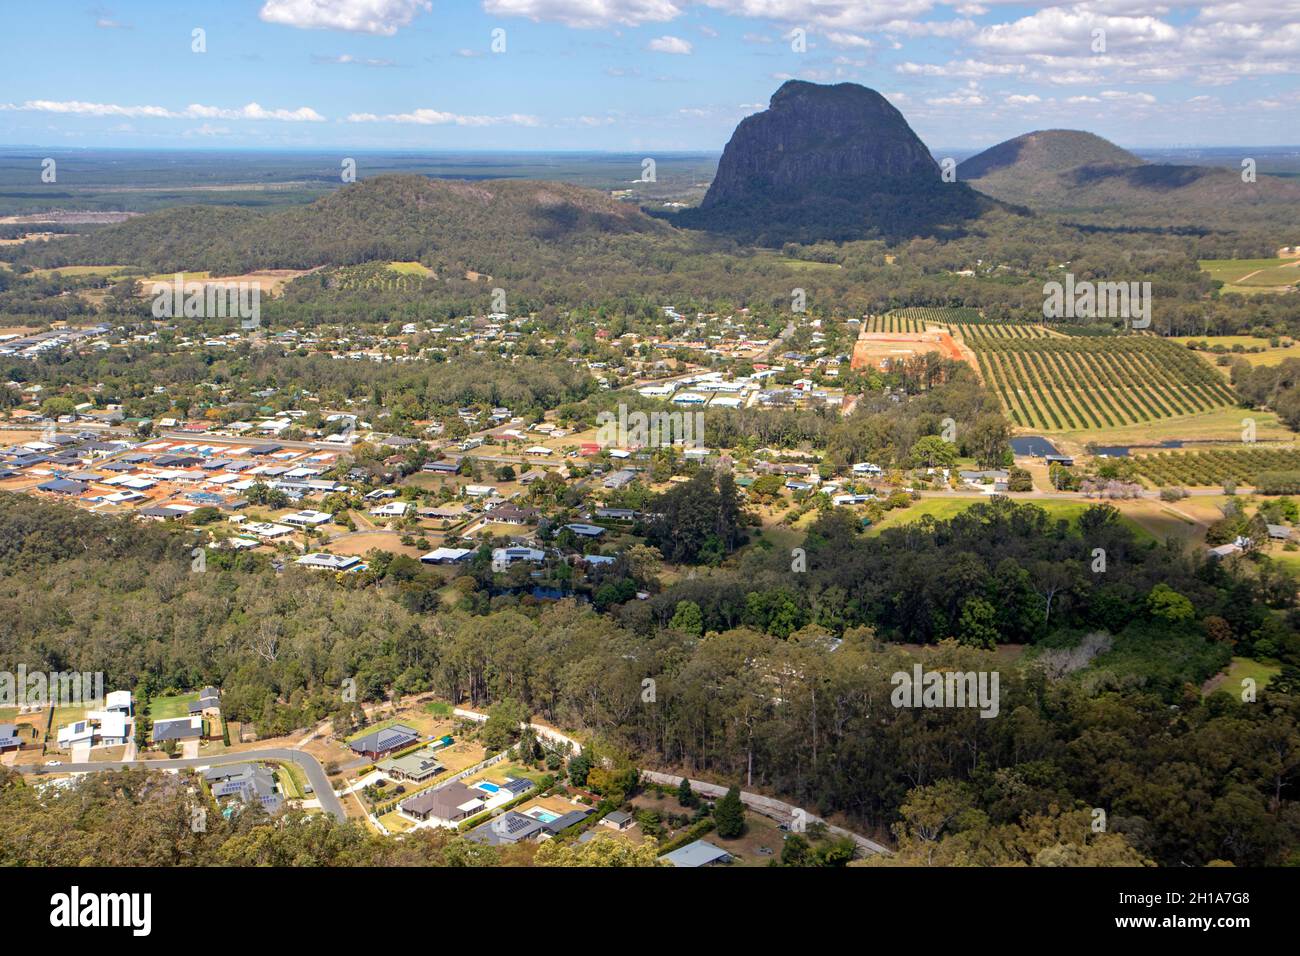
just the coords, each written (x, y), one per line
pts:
(395, 217)
(830, 162)
(1063, 169)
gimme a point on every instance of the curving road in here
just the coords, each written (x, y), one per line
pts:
(329, 801)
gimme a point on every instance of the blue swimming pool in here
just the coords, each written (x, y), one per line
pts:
(542, 816)
(488, 787)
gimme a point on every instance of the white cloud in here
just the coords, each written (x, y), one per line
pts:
(1062, 30)
(669, 44)
(207, 129)
(348, 58)
(825, 15)
(1121, 96)
(253, 111)
(430, 117)
(383, 17)
(587, 14)
(1017, 99)
(962, 68)
(848, 40)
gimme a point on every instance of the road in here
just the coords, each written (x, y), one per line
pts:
(329, 801)
(778, 810)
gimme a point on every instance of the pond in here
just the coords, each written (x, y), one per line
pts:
(1035, 446)
(1122, 451)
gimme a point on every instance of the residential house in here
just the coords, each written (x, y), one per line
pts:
(9, 738)
(248, 782)
(444, 806)
(505, 557)
(620, 478)
(699, 853)
(513, 514)
(447, 556)
(417, 767)
(331, 562)
(617, 820)
(178, 729)
(382, 742)
(307, 518)
(99, 728)
(208, 705)
(536, 823)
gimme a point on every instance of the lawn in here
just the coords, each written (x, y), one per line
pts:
(941, 508)
(292, 780)
(166, 708)
(1252, 275)
(394, 822)
(1229, 682)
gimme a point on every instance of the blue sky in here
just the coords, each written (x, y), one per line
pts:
(635, 74)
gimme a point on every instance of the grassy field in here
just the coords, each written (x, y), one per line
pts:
(1253, 275)
(1224, 425)
(410, 268)
(1144, 520)
(1242, 667)
(1270, 355)
(164, 708)
(107, 271)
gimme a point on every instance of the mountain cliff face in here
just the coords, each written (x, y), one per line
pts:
(829, 162)
(810, 134)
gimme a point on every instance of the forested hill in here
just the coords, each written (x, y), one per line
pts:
(1059, 169)
(397, 217)
(1046, 152)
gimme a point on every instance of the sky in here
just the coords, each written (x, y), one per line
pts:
(634, 74)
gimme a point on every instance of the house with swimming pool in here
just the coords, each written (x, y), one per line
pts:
(534, 823)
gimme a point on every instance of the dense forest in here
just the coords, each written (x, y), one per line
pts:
(775, 678)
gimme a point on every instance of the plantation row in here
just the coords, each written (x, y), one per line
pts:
(931, 314)
(1176, 468)
(1075, 383)
(892, 322)
(973, 334)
